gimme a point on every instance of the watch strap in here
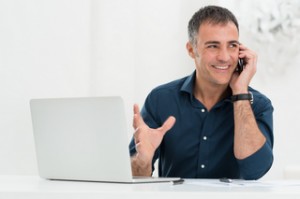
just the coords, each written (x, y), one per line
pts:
(244, 96)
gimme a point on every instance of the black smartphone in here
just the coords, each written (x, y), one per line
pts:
(240, 66)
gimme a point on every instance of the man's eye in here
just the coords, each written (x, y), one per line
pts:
(233, 45)
(212, 46)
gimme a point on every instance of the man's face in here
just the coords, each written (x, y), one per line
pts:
(216, 53)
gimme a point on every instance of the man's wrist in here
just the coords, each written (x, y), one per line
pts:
(139, 167)
(140, 162)
(242, 96)
(239, 91)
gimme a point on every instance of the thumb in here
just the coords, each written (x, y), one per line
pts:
(137, 118)
(167, 125)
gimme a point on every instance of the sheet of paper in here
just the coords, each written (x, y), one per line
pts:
(244, 183)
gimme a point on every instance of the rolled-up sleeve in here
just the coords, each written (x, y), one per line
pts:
(259, 163)
(256, 165)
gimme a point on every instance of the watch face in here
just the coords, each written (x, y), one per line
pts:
(251, 97)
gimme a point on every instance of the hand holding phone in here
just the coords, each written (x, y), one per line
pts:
(245, 70)
(240, 66)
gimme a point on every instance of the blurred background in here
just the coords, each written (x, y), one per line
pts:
(81, 48)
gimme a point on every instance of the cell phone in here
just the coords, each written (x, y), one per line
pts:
(240, 66)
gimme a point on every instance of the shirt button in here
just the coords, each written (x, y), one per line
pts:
(203, 110)
(204, 138)
(202, 166)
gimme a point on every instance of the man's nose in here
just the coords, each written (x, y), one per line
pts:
(223, 55)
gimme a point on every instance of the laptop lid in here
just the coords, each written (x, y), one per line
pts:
(82, 139)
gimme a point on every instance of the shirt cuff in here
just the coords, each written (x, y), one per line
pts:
(257, 164)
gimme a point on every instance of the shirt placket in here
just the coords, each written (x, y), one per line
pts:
(203, 151)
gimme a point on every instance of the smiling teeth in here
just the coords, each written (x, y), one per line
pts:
(221, 67)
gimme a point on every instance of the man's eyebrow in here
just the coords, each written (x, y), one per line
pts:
(234, 42)
(212, 42)
(217, 42)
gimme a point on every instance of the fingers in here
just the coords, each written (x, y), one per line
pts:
(240, 81)
(136, 109)
(250, 58)
(142, 129)
(247, 53)
(167, 125)
(137, 118)
(147, 140)
(136, 136)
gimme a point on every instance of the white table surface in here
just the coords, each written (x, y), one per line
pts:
(36, 187)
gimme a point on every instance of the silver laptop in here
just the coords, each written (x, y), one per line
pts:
(83, 139)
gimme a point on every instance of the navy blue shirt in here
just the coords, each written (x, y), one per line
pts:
(200, 144)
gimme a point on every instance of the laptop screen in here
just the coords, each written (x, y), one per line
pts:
(81, 138)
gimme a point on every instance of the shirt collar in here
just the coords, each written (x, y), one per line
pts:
(188, 86)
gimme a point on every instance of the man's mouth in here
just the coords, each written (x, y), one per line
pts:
(221, 67)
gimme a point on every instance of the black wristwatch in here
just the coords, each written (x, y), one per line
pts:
(245, 96)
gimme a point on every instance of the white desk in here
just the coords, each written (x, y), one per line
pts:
(34, 187)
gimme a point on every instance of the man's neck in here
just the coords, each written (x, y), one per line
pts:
(209, 95)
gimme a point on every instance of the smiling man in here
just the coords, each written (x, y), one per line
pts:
(210, 124)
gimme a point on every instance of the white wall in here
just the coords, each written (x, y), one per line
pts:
(278, 68)
(65, 48)
(44, 52)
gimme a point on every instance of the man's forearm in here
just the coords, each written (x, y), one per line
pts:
(140, 168)
(247, 136)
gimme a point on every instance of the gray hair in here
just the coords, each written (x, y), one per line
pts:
(209, 14)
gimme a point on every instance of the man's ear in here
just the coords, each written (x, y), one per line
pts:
(190, 49)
